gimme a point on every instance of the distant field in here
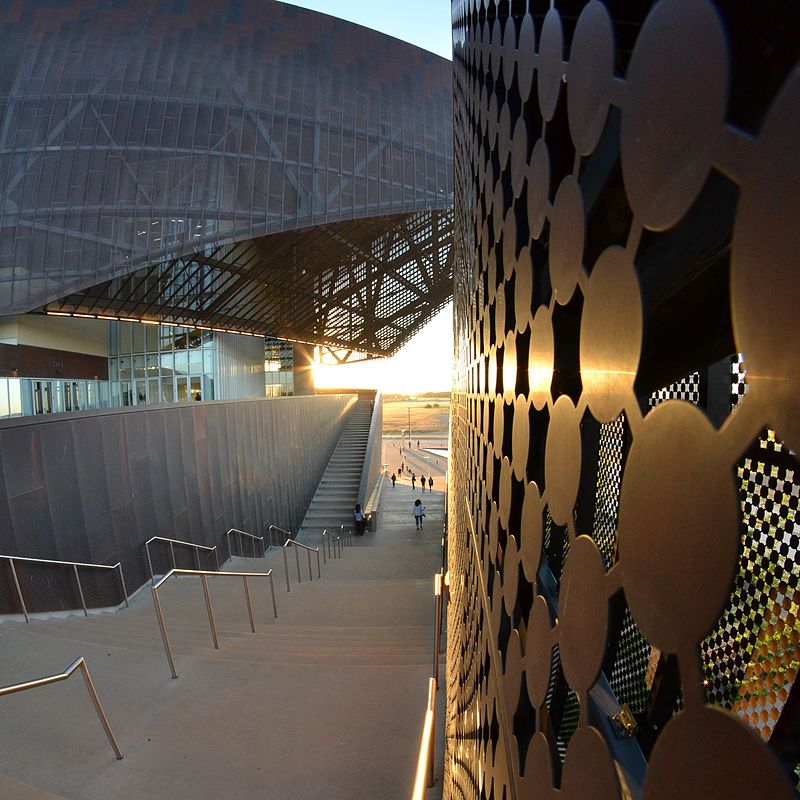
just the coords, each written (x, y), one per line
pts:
(424, 421)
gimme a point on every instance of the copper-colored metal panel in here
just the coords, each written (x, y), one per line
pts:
(623, 544)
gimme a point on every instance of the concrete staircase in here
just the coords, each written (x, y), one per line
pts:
(324, 702)
(337, 492)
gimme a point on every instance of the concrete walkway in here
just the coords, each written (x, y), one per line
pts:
(327, 701)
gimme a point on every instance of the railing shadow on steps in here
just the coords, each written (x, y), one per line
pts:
(76, 567)
(204, 574)
(78, 664)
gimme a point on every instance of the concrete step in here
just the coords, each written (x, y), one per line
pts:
(343, 670)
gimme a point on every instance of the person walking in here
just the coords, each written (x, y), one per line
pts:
(394, 478)
(430, 483)
(358, 518)
(419, 513)
(422, 483)
(413, 481)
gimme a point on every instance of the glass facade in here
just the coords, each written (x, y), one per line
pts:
(22, 397)
(159, 364)
(278, 367)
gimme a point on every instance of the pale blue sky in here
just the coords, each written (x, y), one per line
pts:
(425, 23)
(426, 362)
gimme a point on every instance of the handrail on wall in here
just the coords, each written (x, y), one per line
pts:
(78, 664)
(253, 539)
(74, 565)
(204, 575)
(424, 777)
(172, 543)
(438, 607)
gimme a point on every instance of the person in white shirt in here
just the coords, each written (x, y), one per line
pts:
(419, 513)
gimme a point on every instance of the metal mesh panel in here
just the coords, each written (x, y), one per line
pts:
(610, 239)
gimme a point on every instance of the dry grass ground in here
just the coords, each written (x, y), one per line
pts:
(425, 421)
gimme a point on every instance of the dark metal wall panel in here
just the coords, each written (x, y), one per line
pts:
(99, 484)
(123, 150)
(622, 518)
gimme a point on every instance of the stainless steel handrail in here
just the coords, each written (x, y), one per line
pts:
(332, 543)
(173, 542)
(251, 536)
(347, 536)
(309, 551)
(78, 664)
(438, 607)
(74, 565)
(424, 777)
(212, 625)
(281, 539)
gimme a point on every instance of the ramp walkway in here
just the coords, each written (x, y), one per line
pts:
(324, 702)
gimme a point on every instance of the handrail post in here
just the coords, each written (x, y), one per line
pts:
(324, 542)
(319, 574)
(286, 568)
(437, 624)
(87, 679)
(210, 612)
(216, 559)
(19, 590)
(150, 564)
(197, 558)
(249, 607)
(124, 588)
(263, 547)
(253, 547)
(272, 589)
(310, 577)
(432, 706)
(163, 628)
(297, 559)
(80, 590)
(228, 540)
(172, 551)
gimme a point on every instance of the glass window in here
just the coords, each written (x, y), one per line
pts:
(5, 410)
(141, 392)
(126, 396)
(166, 390)
(208, 387)
(152, 391)
(181, 362)
(167, 364)
(138, 336)
(139, 367)
(56, 390)
(152, 366)
(195, 362)
(197, 393)
(151, 337)
(165, 337)
(15, 396)
(183, 390)
(125, 369)
(125, 337)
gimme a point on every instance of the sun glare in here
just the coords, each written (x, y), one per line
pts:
(424, 364)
